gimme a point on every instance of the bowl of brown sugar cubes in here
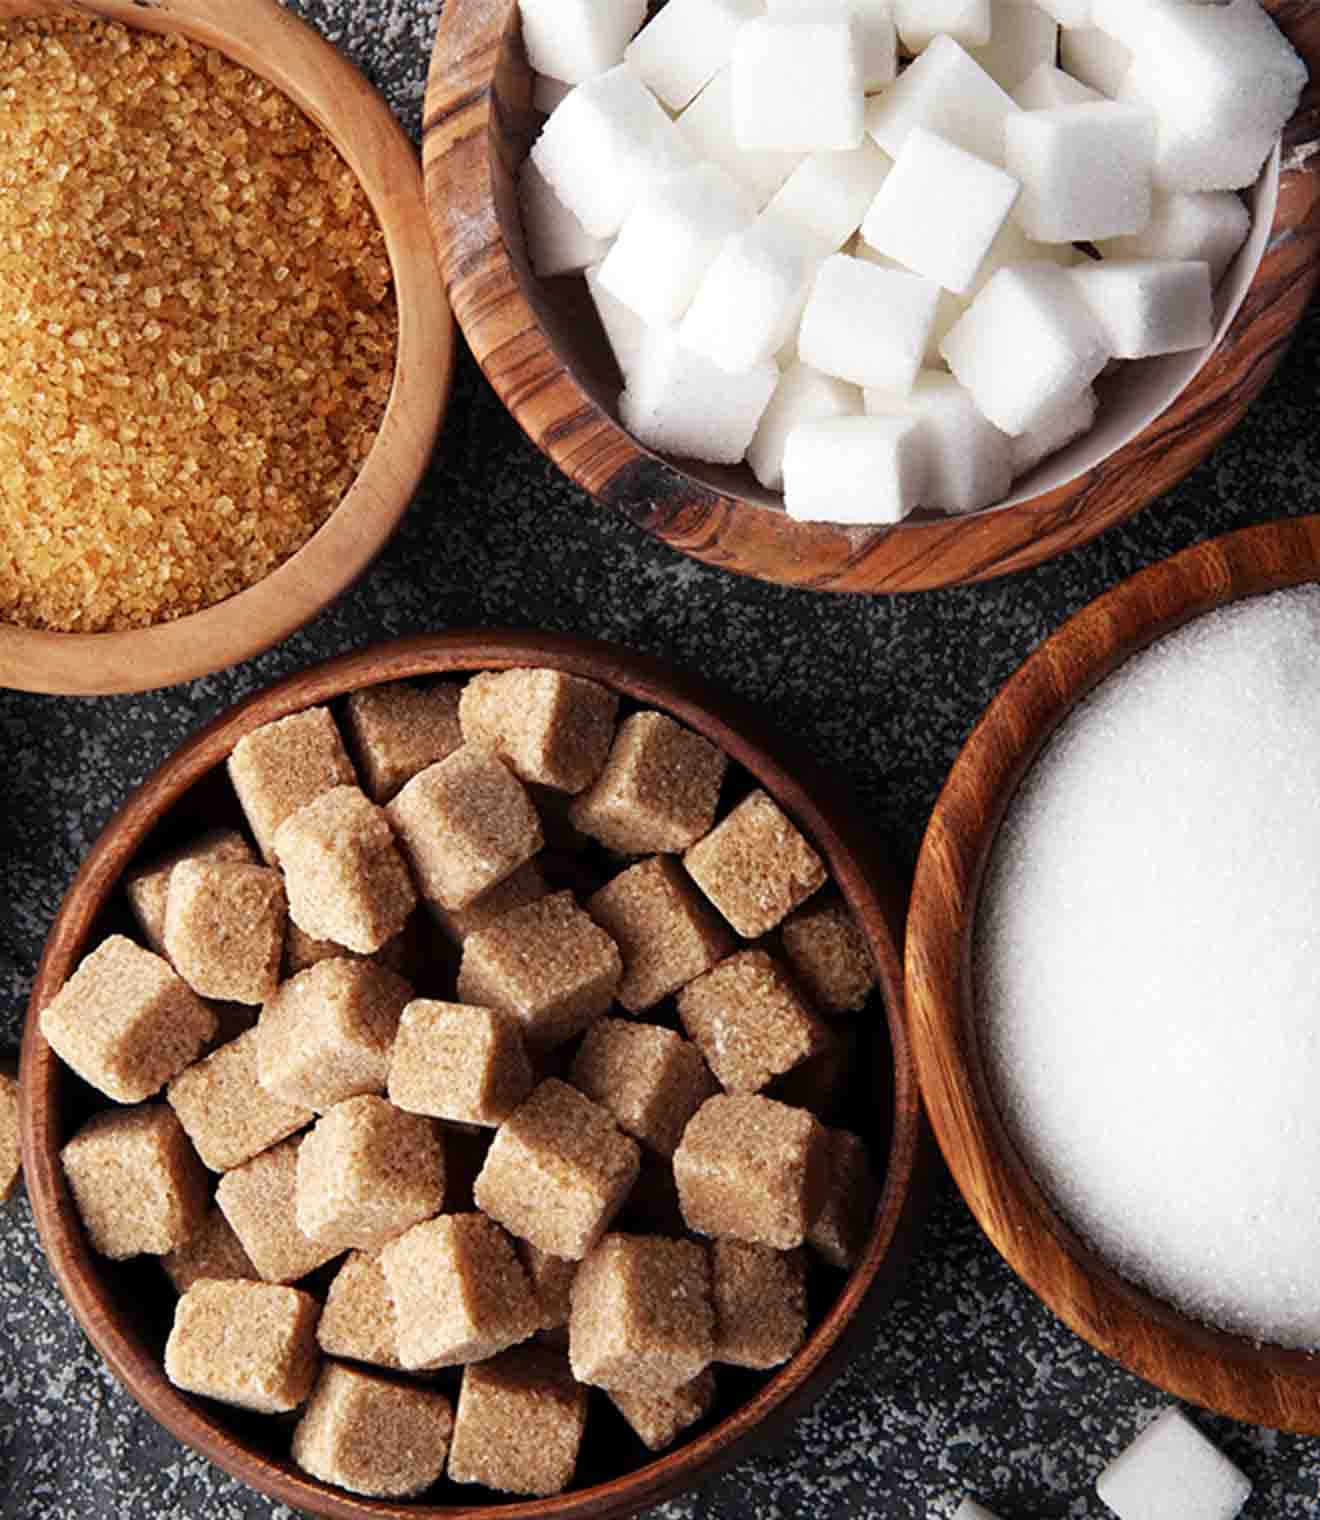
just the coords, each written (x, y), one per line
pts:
(224, 345)
(859, 296)
(472, 1071)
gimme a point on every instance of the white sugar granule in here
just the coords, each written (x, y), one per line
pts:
(1148, 968)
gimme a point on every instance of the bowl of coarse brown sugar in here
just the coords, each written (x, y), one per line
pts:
(225, 349)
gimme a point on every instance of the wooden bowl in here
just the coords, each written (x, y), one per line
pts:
(126, 1309)
(266, 38)
(1265, 1385)
(543, 350)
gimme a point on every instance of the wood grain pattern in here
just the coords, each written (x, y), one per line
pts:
(50, 1095)
(274, 43)
(542, 349)
(1261, 1384)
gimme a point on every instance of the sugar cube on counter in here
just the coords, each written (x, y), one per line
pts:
(855, 469)
(830, 193)
(919, 22)
(557, 243)
(1147, 307)
(797, 85)
(708, 128)
(944, 90)
(1207, 224)
(1172, 1472)
(686, 44)
(866, 324)
(802, 395)
(573, 40)
(1022, 37)
(873, 21)
(1085, 170)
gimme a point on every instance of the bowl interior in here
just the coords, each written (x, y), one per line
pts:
(1261, 1384)
(127, 1308)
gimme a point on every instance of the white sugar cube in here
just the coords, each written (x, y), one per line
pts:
(1095, 58)
(802, 395)
(686, 44)
(919, 22)
(855, 469)
(947, 310)
(874, 22)
(624, 329)
(797, 86)
(607, 141)
(969, 1509)
(939, 210)
(867, 324)
(557, 243)
(946, 91)
(1068, 13)
(1047, 86)
(970, 462)
(752, 294)
(575, 40)
(830, 193)
(707, 126)
(1085, 170)
(1022, 37)
(1026, 345)
(1171, 1472)
(679, 403)
(1053, 432)
(548, 94)
(1146, 306)
(670, 238)
(1206, 224)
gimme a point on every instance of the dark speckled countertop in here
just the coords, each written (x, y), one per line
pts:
(970, 1385)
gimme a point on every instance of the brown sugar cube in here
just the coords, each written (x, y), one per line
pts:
(301, 950)
(212, 1250)
(829, 955)
(138, 1184)
(548, 727)
(11, 1159)
(755, 866)
(457, 1062)
(749, 1021)
(760, 1303)
(519, 1423)
(658, 790)
(260, 1201)
(358, 1318)
(147, 887)
(327, 1033)
(343, 872)
(245, 1343)
(643, 1318)
(546, 964)
(660, 1418)
(366, 1173)
(557, 1171)
(651, 1079)
(373, 1436)
(665, 933)
(398, 730)
(524, 886)
(464, 824)
(228, 1114)
(224, 928)
(752, 1168)
(551, 1278)
(844, 1218)
(282, 766)
(459, 1291)
(126, 1022)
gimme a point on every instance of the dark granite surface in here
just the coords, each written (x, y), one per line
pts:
(970, 1386)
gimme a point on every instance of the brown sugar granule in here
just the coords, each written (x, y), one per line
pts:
(10, 1158)
(212, 1250)
(829, 955)
(197, 329)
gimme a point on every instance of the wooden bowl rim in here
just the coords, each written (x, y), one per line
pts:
(729, 723)
(1230, 1374)
(273, 42)
(592, 448)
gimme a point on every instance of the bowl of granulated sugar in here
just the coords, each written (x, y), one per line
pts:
(1113, 967)
(224, 345)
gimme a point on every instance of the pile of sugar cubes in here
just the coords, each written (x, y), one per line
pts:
(863, 276)
(508, 1038)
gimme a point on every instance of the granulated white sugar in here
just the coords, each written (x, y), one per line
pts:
(1148, 968)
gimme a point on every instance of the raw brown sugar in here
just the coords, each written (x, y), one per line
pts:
(829, 955)
(457, 1062)
(523, 886)
(551, 1278)
(193, 365)
(147, 887)
(224, 928)
(212, 1250)
(755, 866)
(651, 1079)
(245, 1343)
(550, 728)
(398, 730)
(843, 1221)
(658, 1419)
(760, 1302)
(358, 1319)
(284, 765)
(260, 1201)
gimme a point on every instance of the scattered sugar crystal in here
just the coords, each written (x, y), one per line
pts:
(1085, 170)
(919, 22)
(708, 128)
(1095, 58)
(670, 239)
(855, 469)
(1047, 86)
(1022, 37)
(874, 23)
(1208, 224)
(829, 193)
(867, 325)
(946, 91)
(557, 243)
(802, 395)
(686, 44)
(625, 331)
(797, 85)
(1172, 1472)
(573, 40)
(969, 461)
(1148, 967)
(939, 210)
(1148, 307)
(606, 142)
(1055, 430)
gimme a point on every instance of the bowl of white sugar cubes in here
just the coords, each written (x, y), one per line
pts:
(1112, 974)
(874, 294)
